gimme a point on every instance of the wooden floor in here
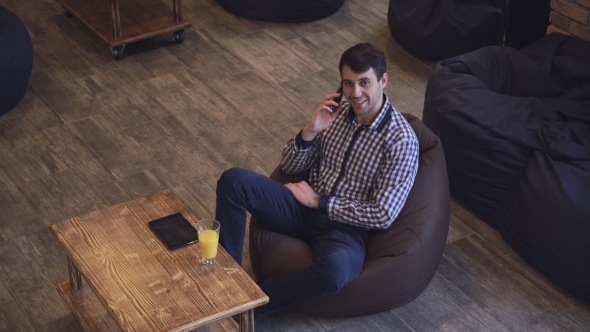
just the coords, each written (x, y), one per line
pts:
(92, 132)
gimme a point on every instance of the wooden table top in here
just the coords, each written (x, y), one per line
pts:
(144, 285)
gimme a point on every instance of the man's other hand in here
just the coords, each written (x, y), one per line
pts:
(304, 194)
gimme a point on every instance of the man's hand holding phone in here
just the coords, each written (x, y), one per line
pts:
(324, 115)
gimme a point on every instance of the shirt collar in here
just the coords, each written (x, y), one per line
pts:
(380, 121)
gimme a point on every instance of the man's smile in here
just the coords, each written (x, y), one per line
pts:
(358, 102)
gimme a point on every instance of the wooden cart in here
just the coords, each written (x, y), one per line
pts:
(132, 21)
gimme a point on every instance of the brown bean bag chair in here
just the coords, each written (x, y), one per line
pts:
(401, 260)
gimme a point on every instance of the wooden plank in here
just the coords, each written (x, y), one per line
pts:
(79, 158)
(457, 230)
(95, 318)
(176, 94)
(41, 252)
(63, 99)
(5, 296)
(273, 57)
(18, 216)
(441, 302)
(135, 185)
(171, 154)
(34, 299)
(35, 111)
(205, 48)
(68, 323)
(51, 49)
(481, 228)
(569, 320)
(14, 319)
(88, 309)
(159, 60)
(60, 196)
(118, 153)
(497, 284)
(575, 315)
(30, 145)
(245, 86)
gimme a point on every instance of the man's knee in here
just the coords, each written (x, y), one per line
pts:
(231, 175)
(230, 178)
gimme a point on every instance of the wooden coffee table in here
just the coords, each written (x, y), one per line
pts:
(137, 284)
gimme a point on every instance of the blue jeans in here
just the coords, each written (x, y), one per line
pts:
(338, 249)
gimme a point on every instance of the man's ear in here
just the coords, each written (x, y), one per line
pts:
(384, 79)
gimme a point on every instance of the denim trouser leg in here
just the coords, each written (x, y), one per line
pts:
(338, 257)
(240, 190)
(338, 249)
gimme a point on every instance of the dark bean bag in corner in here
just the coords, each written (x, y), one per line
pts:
(16, 60)
(287, 11)
(438, 29)
(516, 131)
(401, 260)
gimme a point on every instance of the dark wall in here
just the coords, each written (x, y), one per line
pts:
(526, 21)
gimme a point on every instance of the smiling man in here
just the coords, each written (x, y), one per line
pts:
(362, 156)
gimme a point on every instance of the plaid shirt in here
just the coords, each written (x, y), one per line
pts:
(362, 173)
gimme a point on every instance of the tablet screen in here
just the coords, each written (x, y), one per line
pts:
(174, 230)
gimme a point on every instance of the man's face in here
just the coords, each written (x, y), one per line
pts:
(364, 92)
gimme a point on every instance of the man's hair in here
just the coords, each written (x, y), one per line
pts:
(362, 57)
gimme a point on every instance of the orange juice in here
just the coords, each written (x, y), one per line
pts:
(208, 240)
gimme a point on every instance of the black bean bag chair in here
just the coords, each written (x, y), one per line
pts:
(438, 29)
(287, 11)
(401, 260)
(516, 131)
(16, 60)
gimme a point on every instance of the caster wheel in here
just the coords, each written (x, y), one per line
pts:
(118, 52)
(179, 36)
(66, 12)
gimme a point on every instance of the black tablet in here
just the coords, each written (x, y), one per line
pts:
(174, 230)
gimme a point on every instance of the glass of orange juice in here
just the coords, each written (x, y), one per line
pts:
(208, 233)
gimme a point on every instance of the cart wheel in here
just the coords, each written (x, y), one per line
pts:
(118, 52)
(179, 36)
(66, 12)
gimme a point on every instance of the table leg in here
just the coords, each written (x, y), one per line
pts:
(75, 276)
(247, 321)
(177, 10)
(116, 19)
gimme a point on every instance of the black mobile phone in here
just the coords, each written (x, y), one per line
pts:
(174, 230)
(339, 98)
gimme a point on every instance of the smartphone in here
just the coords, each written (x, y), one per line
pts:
(337, 99)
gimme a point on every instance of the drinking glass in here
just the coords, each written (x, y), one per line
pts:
(208, 233)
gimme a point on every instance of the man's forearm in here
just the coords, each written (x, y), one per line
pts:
(308, 134)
